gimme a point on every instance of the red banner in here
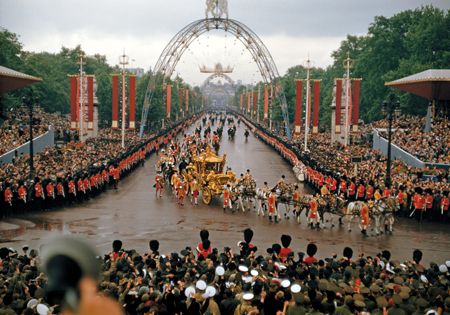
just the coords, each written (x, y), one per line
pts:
(187, 101)
(249, 101)
(115, 101)
(316, 106)
(266, 102)
(181, 100)
(338, 105)
(132, 96)
(73, 102)
(355, 116)
(298, 105)
(168, 99)
(90, 94)
(242, 102)
(255, 102)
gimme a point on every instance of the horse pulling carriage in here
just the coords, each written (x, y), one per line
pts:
(208, 169)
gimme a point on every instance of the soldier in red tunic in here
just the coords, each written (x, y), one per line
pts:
(159, 185)
(272, 205)
(285, 250)
(364, 214)
(226, 198)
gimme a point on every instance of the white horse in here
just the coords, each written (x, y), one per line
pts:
(261, 201)
(353, 211)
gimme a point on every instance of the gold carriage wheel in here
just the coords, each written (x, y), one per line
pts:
(206, 195)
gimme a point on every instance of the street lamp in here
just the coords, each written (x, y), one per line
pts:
(389, 109)
(29, 100)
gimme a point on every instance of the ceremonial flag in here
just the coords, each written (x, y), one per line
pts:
(355, 116)
(168, 99)
(73, 102)
(181, 99)
(298, 105)
(316, 106)
(90, 93)
(255, 101)
(338, 104)
(132, 96)
(266, 102)
(115, 101)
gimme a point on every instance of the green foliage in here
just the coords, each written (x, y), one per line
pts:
(406, 43)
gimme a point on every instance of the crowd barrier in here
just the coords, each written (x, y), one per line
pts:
(40, 143)
(381, 144)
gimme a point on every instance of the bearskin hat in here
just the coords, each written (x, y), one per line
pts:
(248, 235)
(117, 245)
(154, 245)
(311, 249)
(286, 240)
(204, 235)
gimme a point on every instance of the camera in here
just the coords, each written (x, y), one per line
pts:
(66, 260)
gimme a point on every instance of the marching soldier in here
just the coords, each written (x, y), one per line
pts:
(401, 198)
(159, 185)
(8, 198)
(361, 191)
(419, 204)
(39, 196)
(194, 191)
(50, 190)
(351, 190)
(272, 205)
(444, 204)
(343, 187)
(81, 190)
(369, 191)
(22, 196)
(226, 198)
(364, 214)
(296, 201)
(181, 192)
(72, 189)
(60, 192)
(313, 215)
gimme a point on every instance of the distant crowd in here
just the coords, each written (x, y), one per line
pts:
(409, 134)
(15, 129)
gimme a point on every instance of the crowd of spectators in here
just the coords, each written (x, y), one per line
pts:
(409, 134)
(281, 280)
(14, 131)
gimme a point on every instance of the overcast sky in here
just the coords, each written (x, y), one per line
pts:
(290, 29)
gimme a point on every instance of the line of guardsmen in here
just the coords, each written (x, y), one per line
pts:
(47, 193)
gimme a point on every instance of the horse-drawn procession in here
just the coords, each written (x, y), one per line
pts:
(193, 168)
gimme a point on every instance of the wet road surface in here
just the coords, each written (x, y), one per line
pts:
(134, 215)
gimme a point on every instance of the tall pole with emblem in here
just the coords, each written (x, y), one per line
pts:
(123, 60)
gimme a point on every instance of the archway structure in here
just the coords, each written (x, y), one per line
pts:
(217, 75)
(175, 49)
